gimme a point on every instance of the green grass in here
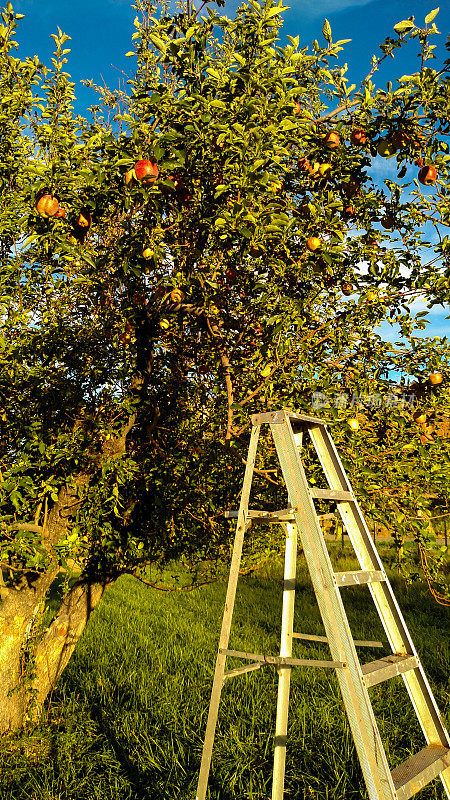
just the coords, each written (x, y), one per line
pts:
(128, 717)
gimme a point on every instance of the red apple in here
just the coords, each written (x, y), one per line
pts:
(358, 137)
(231, 274)
(351, 188)
(346, 288)
(332, 140)
(388, 220)
(146, 170)
(47, 206)
(61, 212)
(427, 175)
(348, 212)
(176, 295)
(436, 378)
(304, 165)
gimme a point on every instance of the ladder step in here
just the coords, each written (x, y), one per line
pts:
(331, 494)
(309, 637)
(420, 769)
(388, 667)
(284, 514)
(282, 661)
(359, 577)
(240, 670)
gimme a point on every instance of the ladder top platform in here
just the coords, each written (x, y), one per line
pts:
(276, 417)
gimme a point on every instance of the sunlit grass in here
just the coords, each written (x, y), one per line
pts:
(128, 717)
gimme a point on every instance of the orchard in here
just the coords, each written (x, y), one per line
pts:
(214, 245)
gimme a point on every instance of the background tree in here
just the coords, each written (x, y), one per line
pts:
(211, 242)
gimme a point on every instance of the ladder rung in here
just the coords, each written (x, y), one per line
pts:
(264, 516)
(359, 577)
(331, 494)
(420, 769)
(359, 642)
(388, 667)
(240, 670)
(283, 515)
(283, 661)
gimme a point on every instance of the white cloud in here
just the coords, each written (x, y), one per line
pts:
(320, 8)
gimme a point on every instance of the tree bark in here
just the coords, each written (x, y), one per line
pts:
(20, 610)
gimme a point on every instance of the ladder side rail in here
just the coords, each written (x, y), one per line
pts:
(284, 673)
(286, 638)
(416, 682)
(359, 710)
(218, 682)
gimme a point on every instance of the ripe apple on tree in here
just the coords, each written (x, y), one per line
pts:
(332, 139)
(47, 206)
(420, 417)
(346, 288)
(358, 137)
(176, 295)
(353, 424)
(147, 253)
(146, 170)
(313, 243)
(436, 378)
(427, 175)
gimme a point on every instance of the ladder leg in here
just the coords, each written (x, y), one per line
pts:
(284, 673)
(242, 524)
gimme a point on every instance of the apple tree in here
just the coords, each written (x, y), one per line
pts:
(211, 241)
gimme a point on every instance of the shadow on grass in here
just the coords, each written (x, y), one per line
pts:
(128, 717)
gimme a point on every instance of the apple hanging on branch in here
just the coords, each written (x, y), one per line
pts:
(146, 170)
(427, 175)
(332, 140)
(47, 206)
(313, 243)
(358, 137)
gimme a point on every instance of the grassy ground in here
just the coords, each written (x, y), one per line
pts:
(128, 718)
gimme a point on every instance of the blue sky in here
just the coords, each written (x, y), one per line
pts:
(101, 32)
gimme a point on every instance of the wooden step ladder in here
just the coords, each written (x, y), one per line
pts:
(354, 679)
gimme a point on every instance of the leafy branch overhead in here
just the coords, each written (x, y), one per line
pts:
(212, 240)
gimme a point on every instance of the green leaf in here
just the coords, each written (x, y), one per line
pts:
(403, 26)
(432, 15)
(326, 31)
(274, 11)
